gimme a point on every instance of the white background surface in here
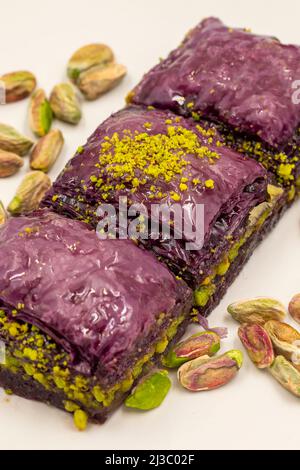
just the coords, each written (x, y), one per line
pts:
(253, 411)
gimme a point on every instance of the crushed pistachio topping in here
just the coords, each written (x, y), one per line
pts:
(133, 159)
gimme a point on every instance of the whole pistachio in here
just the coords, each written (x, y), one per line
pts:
(257, 310)
(257, 344)
(294, 308)
(65, 104)
(40, 113)
(285, 339)
(46, 151)
(200, 344)
(18, 85)
(12, 141)
(3, 214)
(150, 392)
(286, 374)
(88, 56)
(98, 80)
(30, 193)
(10, 163)
(205, 373)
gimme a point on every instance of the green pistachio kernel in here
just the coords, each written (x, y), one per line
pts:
(150, 391)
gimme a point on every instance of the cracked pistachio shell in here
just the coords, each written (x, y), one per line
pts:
(200, 344)
(3, 214)
(30, 193)
(286, 374)
(98, 80)
(40, 113)
(10, 163)
(65, 104)
(88, 56)
(257, 343)
(12, 141)
(285, 339)
(205, 373)
(257, 310)
(18, 85)
(46, 151)
(150, 392)
(294, 308)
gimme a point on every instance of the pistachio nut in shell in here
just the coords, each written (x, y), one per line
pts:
(88, 56)
(150, 392)
(98, 80)
(30, 193)
(46, 151)
(3, 214)
(294, 308)
(286, 374)
(257, 310)
(257, 343)
(18, 85)
(285, 339)
(10, 163)
(206, 373)
(12, 141)
(40, 113)
(65, 104)
(200, 344)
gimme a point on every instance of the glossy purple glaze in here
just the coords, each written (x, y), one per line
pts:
(243, 79)
(94, 297)
(239, 184)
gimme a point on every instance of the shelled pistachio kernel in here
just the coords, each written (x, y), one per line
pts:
(46, 151)
(257, 344)
(286, 374)
(30, 193)
(206, 373)
(294, 308)
(3, 214)
(18, 85)
(65, 104)
(12, 141)
(257, 310)
(10, 163)
(150, 391)
(98, 80)
(40, 113)
(200, 344)
(88, 56)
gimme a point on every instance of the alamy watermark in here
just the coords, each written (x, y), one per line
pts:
(2, 93)
(296, 93)
(156, 222)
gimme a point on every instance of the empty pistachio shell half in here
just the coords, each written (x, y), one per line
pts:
(98, 80)
(12, 141)
(3, 214)
(10, 163)
(294, 308)
(88, 56)
(285, 339)
(46, 151)
(30, 193)
(258, 310)
(205, 373)
(40, 113)
(18, 85)
(200, 344)
(257, 344)
(65, 104)
(284, 372)
(150, 392)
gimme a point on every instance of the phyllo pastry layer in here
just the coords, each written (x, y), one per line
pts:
(154, 157)
(80, 316)
(245, 81)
